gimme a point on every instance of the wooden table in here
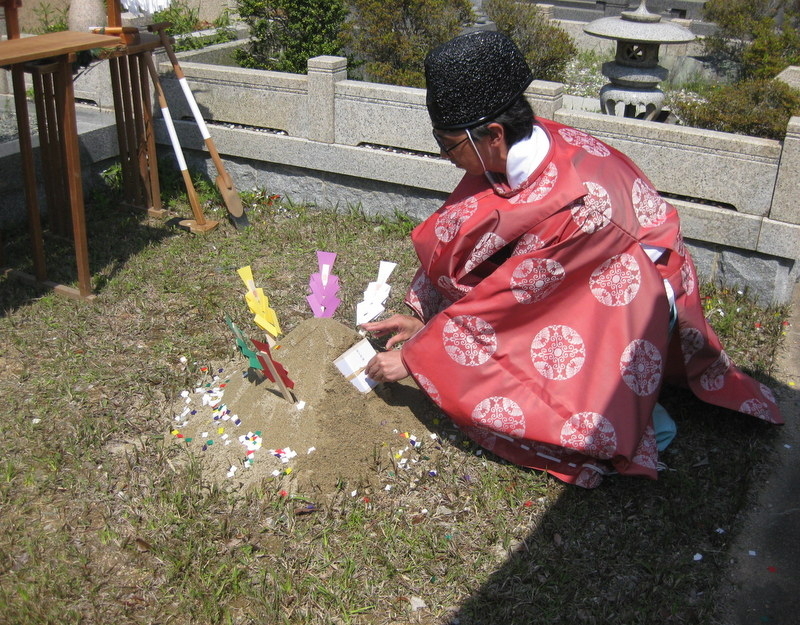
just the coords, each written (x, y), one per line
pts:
(60, 47)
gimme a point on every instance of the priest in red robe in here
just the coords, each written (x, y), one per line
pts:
(555, 295)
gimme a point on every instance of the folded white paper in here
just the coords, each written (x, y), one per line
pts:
(351, 365)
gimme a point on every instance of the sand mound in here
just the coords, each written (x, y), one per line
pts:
(341, 437)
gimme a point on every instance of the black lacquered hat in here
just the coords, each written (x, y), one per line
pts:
(473, 78)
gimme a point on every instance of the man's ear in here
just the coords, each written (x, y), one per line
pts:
(497, 133)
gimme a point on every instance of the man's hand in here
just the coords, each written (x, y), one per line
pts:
(403, 327)
(386, 367)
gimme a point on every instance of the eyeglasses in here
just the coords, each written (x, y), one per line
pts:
(444, 148)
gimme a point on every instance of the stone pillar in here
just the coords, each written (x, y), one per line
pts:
(323, 74)
(545, 97)
(787, 186)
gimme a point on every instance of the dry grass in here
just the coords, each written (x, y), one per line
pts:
(102, 522)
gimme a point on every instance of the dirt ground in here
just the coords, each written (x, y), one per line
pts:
(342, 438)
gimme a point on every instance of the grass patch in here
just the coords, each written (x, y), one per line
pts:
(102, 522)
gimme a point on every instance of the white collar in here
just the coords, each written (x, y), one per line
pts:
(525, 156)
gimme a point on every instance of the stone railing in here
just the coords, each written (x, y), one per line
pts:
(333, 142)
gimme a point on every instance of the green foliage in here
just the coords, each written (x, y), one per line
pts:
(755, 38)
(183, 17)
(756, 107)
(284, 34)
(771, 51)
(392, 37)
(547, 47)
(186, 21)
(51, 19)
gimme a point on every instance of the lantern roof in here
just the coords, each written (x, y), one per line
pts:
(639, 25)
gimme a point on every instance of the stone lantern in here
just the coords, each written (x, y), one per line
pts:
(635, 73)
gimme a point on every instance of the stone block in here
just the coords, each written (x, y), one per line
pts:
(718, 225)
(787, 187)
(768, 279)
(383, 115)
(779, 238)
(247, 97)
(705, 257)
(791, 76)
(723, 168)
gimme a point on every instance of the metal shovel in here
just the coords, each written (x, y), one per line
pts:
(224, 182)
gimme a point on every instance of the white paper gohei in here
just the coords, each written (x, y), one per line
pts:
(375, 295)
(351, 365)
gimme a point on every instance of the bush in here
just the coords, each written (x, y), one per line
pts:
(547, 47)
(771, 51)
(185, 22)
(756, 107)
(754, 38)
(284, 34)
(392, 37)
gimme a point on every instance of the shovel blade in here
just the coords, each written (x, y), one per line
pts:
(233, 203)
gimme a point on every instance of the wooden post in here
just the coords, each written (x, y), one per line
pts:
(25, 146)
(66, 93)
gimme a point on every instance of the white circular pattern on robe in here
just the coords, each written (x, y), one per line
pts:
(558, 352)
(528, 243)
(680, 246)
(646, 454)
(539, 189)
(536, 278)
(650, 207)
(590, 433)
(713, 378)
(487, 245)
(423, 296)
(449, 222)
(593, 211)
(469, 340)
(454, 291)
(766, 391)
(687, 276)
(641, 366)
(589, 478)
(582, 140)
(756, 408)
(692, 341)
(616, 282)
(500, 414)
(429, 388)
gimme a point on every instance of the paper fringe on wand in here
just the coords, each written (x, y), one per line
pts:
(264, 316)
(260, 358)
(324, 287)
(375, 295)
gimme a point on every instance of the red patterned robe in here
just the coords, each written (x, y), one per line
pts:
(546, 324)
